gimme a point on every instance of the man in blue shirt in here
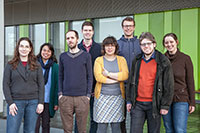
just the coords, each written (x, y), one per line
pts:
(129, 48)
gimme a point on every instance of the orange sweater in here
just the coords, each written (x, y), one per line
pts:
(147, 77)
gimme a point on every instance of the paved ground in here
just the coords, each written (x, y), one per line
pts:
(193, 124)
(3, 128)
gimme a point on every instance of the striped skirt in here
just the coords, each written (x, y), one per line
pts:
(108, 109)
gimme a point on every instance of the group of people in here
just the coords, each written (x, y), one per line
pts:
(106, 80)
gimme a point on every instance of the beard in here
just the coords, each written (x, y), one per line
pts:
(72, 47)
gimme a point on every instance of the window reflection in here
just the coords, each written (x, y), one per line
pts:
(107, 27)
(58, 37)
(10, 43)
(39, 37)
(76, 25)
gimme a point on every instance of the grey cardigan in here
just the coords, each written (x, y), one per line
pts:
(23, 84)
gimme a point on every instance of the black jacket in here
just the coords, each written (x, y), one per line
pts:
(163, 86)
(95, 51)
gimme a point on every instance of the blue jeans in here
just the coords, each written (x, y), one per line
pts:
(141, 112)
(26, 110)
(176, 119)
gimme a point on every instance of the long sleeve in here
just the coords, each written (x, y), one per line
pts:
(123, 74)
(56, 84)
(168, 87)
(190, 81)
(40, 81)
(98, 69)
(6, 84)
(89, 75)
(61, 76)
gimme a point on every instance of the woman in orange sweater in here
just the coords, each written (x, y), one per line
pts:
(110, 71)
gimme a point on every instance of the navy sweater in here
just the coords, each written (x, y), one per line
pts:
(75, 74)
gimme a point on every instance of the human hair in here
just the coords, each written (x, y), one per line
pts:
(76, 33)
(173, 35)
(109, 40)
(147, 35)
(31, 57)
(87, 23)
(128, 19)
(50, 46)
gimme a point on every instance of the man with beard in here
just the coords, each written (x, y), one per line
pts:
(150, 87)
(75, 84)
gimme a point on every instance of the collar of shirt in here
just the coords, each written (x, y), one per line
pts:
(153, 56)
(87, 47)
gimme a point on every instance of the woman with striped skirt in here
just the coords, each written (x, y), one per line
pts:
(110, 71)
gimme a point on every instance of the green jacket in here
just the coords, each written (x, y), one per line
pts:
(53, 90)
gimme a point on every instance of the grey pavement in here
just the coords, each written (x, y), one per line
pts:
(3, 128)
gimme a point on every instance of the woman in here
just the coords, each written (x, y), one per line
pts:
(110, 71)
(23, 87)
(184, 100)
(49, 65)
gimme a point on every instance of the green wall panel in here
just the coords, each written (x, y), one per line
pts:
(23, 31)
(47, 32)
(66, 29)
(156, 27)
(167, 22)
(176, 24)
(189, 37)
(141, 23)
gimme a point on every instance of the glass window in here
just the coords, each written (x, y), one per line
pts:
(76, 25)
(10, 43)
(58, 37)
(39, 37)
(107, 27)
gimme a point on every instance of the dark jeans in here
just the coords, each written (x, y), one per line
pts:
(176, 119)
(45, 116)
(141, 112)
(93, 124)
(26, 110)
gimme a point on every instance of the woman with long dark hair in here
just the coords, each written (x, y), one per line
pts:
(183, 101)
(49, 65)
(23, 87)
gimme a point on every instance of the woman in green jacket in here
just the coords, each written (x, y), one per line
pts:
(49, 65)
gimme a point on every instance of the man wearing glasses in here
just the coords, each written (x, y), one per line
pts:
(129, 48)
(150, 87)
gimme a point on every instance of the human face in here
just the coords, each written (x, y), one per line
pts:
(170, 44)
(128, 28)
(88, 32)
(110, 49)
(46, 53)
(147, 46)
(24, 48)
(72, 41)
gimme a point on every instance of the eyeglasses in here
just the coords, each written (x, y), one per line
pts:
(128, 26)
(146, 44)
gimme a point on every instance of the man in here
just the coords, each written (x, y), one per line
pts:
(150, 87)
(129, 48)
(90, 46)
(75, 83)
